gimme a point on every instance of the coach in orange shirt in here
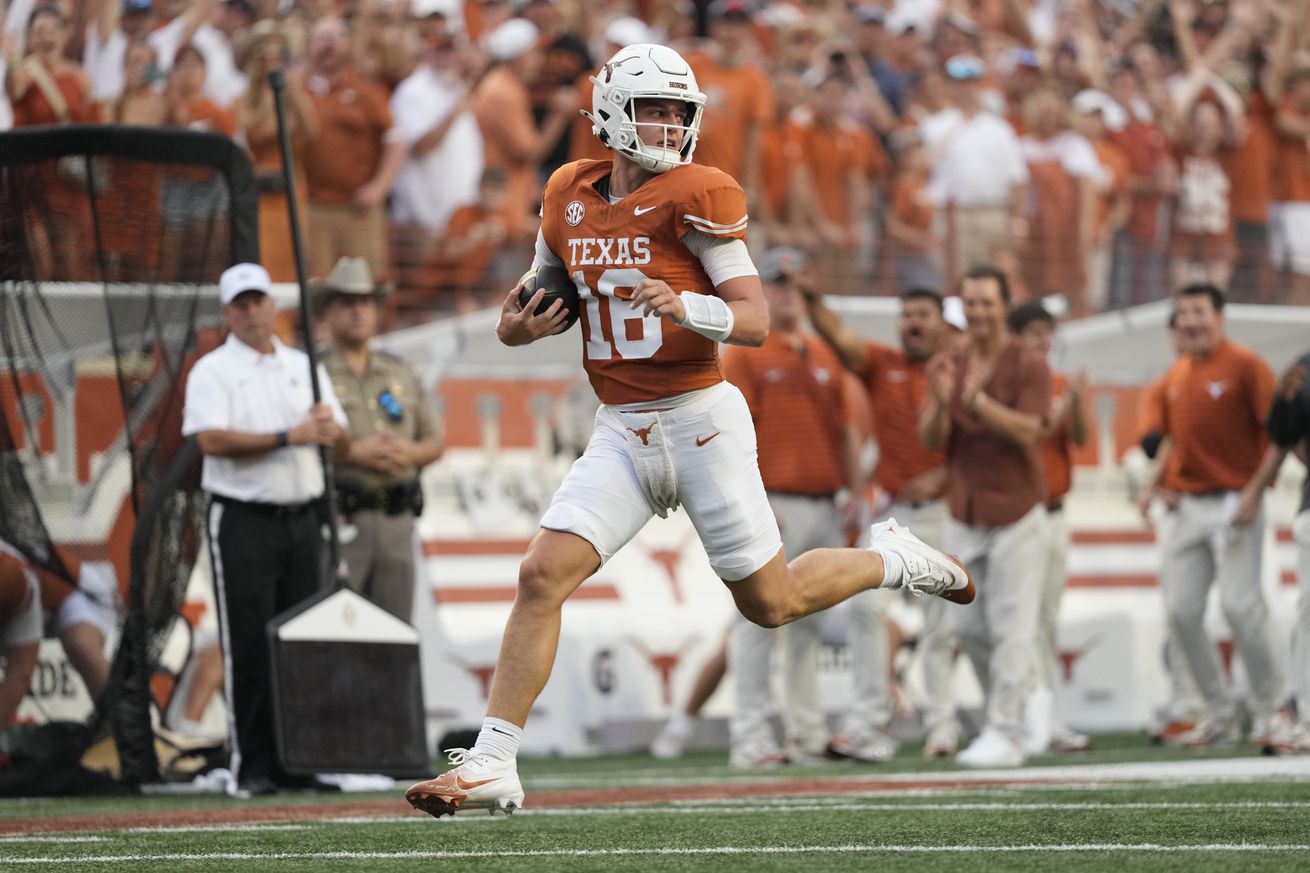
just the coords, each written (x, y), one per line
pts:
(1216, 400)
(910, 479)
(807, 454)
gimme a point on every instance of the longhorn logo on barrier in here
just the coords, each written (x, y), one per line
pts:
(669, 558)
(1069, 657)
(481, 674)
(664, 663)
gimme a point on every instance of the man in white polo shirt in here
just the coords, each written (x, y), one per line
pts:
(251, 410)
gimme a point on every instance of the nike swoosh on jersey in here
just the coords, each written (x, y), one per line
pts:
(639, 211)
(702, 441)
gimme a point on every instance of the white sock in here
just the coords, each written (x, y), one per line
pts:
(893, 568)
(681, 723)
(499, 739)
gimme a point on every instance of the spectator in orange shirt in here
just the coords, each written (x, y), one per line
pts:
(471, 239)
(1096, 115)
(184, 96)
(1065, 174)
(841, 161)
(808, 450)
(511, 139)
(353, 161)
(1215, 405)
(776, 218)
(46, 88)
(908, 246)
(1139, 264)
(739, 97)
(265, 49)
(1290, 234)
(1064, 427)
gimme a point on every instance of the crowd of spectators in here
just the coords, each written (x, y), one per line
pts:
(1107, 151)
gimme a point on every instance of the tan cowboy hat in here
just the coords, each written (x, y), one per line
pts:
(348, 276)
(252, 41)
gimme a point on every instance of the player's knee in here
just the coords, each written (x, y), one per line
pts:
(764, 612)
(543, 580)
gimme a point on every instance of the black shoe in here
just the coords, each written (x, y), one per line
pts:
(259, 786)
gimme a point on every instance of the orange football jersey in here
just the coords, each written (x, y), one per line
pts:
(609, 248)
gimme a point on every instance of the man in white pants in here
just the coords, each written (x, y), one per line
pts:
(987, 399)
(1216, 400)
(1064, 427)
(794, 388)
(910, 479)
(1289, 428)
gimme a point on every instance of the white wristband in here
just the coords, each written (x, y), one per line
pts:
(707, 315)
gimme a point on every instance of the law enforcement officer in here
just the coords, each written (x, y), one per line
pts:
(395, 431)
(250, 407)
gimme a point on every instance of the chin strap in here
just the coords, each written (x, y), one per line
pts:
(709, 316)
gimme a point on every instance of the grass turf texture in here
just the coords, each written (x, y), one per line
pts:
(694, 835)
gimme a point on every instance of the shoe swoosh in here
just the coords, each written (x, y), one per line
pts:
(469, 786)
(702, 441)
(640, 211)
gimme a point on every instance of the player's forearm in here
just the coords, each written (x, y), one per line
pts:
(750, 325)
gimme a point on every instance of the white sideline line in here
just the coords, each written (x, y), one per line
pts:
(819, 805)
(216, 828)
(1286, 768)
(47, 838)
(708, 850)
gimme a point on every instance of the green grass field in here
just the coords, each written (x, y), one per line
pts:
(1124, 806)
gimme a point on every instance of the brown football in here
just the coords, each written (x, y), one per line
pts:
(558, 286)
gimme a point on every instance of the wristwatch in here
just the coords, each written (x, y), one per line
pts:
(282, 439)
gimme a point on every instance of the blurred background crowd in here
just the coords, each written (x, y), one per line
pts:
(1102, 152)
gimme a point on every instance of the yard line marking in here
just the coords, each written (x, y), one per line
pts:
(49, 839)
(708, 850)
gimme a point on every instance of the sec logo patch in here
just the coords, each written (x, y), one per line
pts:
(574, 212)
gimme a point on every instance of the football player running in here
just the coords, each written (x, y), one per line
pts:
(656, 247)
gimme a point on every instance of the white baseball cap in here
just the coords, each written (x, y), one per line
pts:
(241, 278)
(510, 40)
(450, 9)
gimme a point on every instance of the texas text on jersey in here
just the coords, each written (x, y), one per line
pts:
(609, 248)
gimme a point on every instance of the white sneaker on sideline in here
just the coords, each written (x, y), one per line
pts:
(1037, 730)
(1066, 739)
(672, 739)
(866, 744)
(756, 755)
(1212, 731)
(927, 570)
(477, 781)
(991, 748)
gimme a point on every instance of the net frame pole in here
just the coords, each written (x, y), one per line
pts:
(277, 81)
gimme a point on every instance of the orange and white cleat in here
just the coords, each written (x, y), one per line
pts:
(927, 570)
(477, 781)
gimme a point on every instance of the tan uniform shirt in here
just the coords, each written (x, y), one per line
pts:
(368, 401)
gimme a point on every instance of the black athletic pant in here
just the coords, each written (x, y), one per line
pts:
(266, 560)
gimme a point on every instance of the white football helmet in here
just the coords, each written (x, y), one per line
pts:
(638, 72)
